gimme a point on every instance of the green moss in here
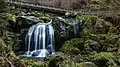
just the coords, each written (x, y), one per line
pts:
(2, 47)
(103, 58)
(104, 22)
(4, 20)
(44, 19)
(103, 55)
(33, 63)
(3, 6)
(91, 20)
(57, 33)
(2, 44)
(112, 30)
(12, 17)
(8, 57)
(111, 63)
(71, 29)
(95, 42)
(73, 46)
(60, 61)
(95, 25)
(91, 45)
(67, 63)
(98, 36)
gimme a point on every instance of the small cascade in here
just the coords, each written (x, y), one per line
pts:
(29, 35)
(51, 34)
(77, 27)
(40, 40)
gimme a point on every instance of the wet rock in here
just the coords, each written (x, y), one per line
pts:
(31, 18)
(27, 20)
(54, 62)
(65, 30)
(86, 64)
(77, 58)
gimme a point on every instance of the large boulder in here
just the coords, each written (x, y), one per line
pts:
(65, 29)
(104, 59)
(73, 47)
(95, 25)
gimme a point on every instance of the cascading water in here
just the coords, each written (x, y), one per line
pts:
(51, 34)
(77, 27)
(41, 40)
(29, 35)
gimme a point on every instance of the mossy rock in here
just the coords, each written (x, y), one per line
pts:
(67, 63)
(95, 25)
(55, 61)
(104, 42)
(59, 62)
(44, 19)
(100, 59)
(34, 63)
(111, 63)
(86, 64)
(80, 46)
(91, 45)
(73, 46)
(103, 55)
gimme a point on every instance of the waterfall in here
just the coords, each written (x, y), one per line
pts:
(29, 35)
(77, 27)
(41, 36)
(51, 34)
